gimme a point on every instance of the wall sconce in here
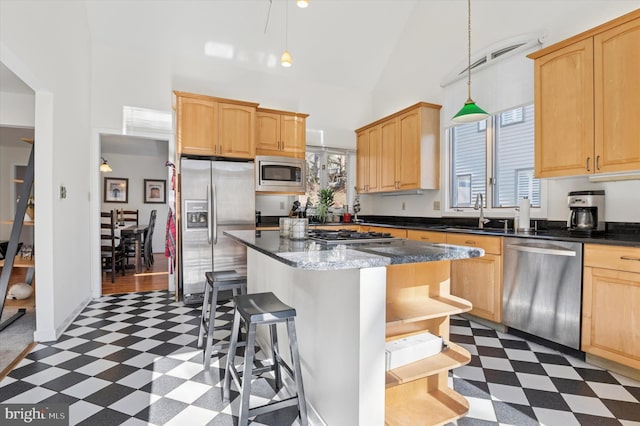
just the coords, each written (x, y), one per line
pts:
(105, 167)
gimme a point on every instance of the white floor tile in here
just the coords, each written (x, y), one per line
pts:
(188, 392)
(470, 373)
(186, 370)
(611, 391)
(96, 367)
(70, 343)
(587, 405)
(548, 417)
(86, 387)
(145, 344)
(521, 355)
(104, 351)
(111, 337)
(562, 371)
(139, 378)
(536, 381)
(133, 403)
(507, 393)
(481, 409)
(625, 381)
(496, 363)
(142, 360)
(492, 342)
(59, 358)
(45, 376)
(149, 322)
(80, 410)
(456, 329)
(192, 416)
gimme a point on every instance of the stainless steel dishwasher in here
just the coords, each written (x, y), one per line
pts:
(542, 288)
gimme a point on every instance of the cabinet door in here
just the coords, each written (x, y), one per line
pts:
(373, 170)
(617, 98)
(293, 135)
(408, 154)
(197, 126)
(267, 133)
(362, 161)
(479, 281)
(388, 141)
(237, 131)
(564, 111)
(611, 314)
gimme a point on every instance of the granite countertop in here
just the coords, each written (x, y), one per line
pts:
(619, 237)
(308, 254)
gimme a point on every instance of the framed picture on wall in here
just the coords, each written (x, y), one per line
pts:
(155, 191)
(116, 190)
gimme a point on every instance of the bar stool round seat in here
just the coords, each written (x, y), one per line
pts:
(263, 309)
(216, 282)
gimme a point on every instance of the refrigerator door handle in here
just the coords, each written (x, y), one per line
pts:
(215, 214)
(208, 216)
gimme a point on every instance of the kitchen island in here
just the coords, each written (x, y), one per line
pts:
(349, 301)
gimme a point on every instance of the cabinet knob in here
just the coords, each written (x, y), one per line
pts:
(637, 259)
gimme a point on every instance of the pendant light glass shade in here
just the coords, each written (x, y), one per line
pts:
(105, 167)
(470, 112)
(285, 59)
(302, 3)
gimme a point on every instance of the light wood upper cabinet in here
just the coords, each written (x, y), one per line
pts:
(211, 126)
(586, 101)
(611, 303)
(280, 133)
(368, 160)
(409, 156)
(617, 98)
(479, 280)
(237, 130)
(197, 128)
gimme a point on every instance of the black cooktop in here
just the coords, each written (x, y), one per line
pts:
(346, 236)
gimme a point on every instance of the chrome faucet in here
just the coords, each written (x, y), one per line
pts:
(480, 205)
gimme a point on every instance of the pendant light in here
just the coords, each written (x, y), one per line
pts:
(105, 167)
(470, 112)
(285, 59)
(302, 3)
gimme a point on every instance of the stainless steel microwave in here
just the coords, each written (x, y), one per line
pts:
(280, 174)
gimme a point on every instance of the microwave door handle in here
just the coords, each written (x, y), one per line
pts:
(214, 210)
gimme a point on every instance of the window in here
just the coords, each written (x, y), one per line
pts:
(500, 147)
(327, 169)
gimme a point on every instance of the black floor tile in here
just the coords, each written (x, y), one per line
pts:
(105, 417)
(623, 410)
(108, 395)
(77, 362)
(117, 372)
(514, 414)
(515, 344)
(593, 375)
(546, 399)
(65, 381)
(546, 358)
(161, 411)
(491, 351)
(586, 419)
(528, 367)
(575, 387)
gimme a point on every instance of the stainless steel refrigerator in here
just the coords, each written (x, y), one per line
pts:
(217, 195)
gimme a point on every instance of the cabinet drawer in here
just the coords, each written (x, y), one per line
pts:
(619, 258)
(491, 245)
(427, 236)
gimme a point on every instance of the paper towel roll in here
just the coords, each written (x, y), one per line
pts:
(525, 220)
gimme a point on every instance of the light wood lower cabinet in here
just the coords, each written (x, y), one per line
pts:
(611, 303)
(418, 300)
(479, 280)
(427, 236)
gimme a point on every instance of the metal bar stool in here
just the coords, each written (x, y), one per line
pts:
(216, 282)
(263, 309)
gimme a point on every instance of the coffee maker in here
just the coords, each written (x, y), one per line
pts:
(586, 213)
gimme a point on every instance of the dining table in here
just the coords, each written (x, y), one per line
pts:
(137, 232)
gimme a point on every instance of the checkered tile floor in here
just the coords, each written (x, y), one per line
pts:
(132, 359)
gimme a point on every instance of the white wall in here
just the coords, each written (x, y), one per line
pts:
(47, 45)
(136, 168)
(17, 109)
(402, 85)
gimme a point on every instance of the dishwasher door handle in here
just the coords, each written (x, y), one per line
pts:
(542, 250)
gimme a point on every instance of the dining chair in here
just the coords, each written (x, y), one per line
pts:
(111, 253)
(128, 218)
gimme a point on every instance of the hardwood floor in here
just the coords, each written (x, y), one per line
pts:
(155, 279)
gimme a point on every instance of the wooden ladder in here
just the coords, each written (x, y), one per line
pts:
(12, 249)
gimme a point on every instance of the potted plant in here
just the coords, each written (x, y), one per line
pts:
(325, 197)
